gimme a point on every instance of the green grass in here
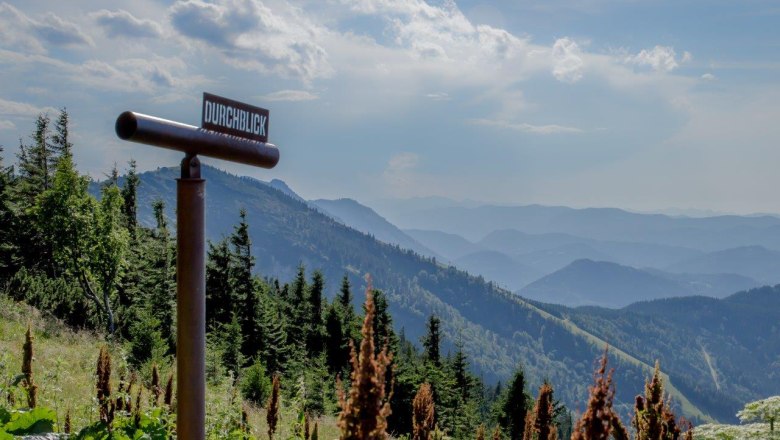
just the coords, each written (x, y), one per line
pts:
(64, 365)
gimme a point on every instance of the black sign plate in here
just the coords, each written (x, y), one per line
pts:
(235, 118)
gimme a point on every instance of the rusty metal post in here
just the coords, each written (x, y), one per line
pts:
(191, 302)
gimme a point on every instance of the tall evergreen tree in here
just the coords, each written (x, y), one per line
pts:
(383, 324)
(130, 196)
(336, 347)
(514, 406)
(298, 329)
(245, 301)
(162, 291)
(219, 306)
(61, 138)
(432, 340)
(315, 342)
(274, 351)
(8, 248)
(344, 300)
(463, 380)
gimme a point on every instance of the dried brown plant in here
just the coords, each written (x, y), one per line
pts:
(481, 432)
(28, 383)
(104, 386)
(272, 408)
(168, 397)
(423, 413)
(599, 417)
(528, 432)
(68, 425)
(306, 427)
(497, 433)
(138, 401)
(365, 410)
(543, 423)
(156, 388)
(653, 415)
(315, 433)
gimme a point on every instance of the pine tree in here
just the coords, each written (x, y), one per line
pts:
(8, 242)
(431, 341)
(245, 300)
(315, 342)
(463, 380)
(61, 137)
(274, 350)
(219, 306)
(514, 407)
(298, 306)
(383, 323)
(344, 301)
(130, 197)
(336, 348)
(160, 285)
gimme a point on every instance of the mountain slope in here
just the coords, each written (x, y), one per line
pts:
(716, 350)
(588, 282)
(365, 220)
(450, 246)
(756, 262)
(498, 330)
(498, 267)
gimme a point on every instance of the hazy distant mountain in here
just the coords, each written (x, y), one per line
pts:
(450, 246)
(717, 285)
(606, 284)
(365, 220)
(517, 243)
(282, 186)
(498, 267)
(756, 262)
(588, 282)
(608, 224)
(549, 260)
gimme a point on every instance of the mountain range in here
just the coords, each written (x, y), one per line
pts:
(498, 329)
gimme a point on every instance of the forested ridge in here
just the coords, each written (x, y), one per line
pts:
(281, 302)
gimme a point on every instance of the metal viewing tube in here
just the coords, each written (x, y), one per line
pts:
(150, 130)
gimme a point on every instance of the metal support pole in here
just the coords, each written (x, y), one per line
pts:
(191, 302)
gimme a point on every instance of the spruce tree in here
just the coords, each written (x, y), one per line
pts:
(130, 196)
(219, 307)
(245, 300)
(514, 406)
(336, 348)
(8, 244)
(344, 301)
(298, 306)
(431, 341)
(274, 351)
(463, 380)
(315, 341)
(161, 290)
(61, 138)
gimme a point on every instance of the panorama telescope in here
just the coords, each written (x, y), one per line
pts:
(189, 139)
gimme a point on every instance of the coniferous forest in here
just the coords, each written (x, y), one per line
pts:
(283, 360)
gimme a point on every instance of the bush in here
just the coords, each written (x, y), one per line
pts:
(255, 384)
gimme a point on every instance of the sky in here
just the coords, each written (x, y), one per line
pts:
(643, 105)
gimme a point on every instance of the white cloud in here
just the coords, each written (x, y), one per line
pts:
(252, 36)
(528, 128)
(7, 125)
(567, 58)
(290, 95)
(21, 32)
(440, 96)
(23, 109)
(659, 58)
(403, 162)
(708, 77)
(121, 23)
